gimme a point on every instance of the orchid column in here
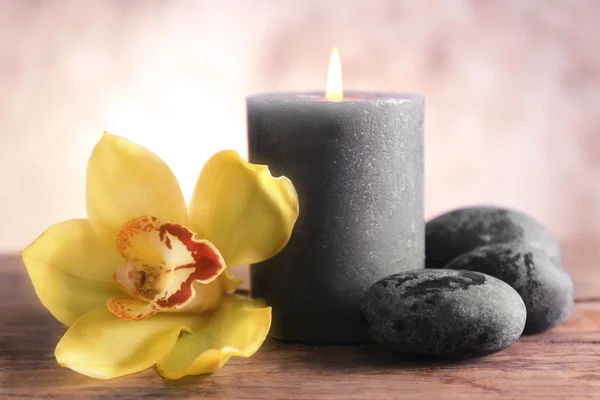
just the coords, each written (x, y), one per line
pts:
(357, 164)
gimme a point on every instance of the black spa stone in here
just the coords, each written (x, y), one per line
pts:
(460, 231)
(444, 313)
(544, 285)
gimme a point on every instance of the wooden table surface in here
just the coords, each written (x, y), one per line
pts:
(562, 363)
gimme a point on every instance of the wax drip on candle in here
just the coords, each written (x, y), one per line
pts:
(335, 86)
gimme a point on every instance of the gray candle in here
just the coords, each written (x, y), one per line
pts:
(357, 165)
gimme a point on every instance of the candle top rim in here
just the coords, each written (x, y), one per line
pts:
(349, 96)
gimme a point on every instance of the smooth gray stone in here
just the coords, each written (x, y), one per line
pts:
(460, 231)
(357, 166)
(544, 285)
(444, 313)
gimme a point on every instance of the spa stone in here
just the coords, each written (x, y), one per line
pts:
(544, 285)
(444, 313)
(463, 230)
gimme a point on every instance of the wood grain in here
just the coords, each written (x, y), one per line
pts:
(562, 363)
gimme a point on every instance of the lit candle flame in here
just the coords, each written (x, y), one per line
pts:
(335, 86)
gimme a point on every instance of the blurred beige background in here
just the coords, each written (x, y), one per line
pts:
(512, 87)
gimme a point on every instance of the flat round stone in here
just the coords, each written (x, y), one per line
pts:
(444, 313)
(460, 231)
(545, 286)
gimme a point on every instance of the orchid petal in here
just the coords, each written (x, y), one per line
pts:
(238, 328)
(241, 208)
(101, 345)
(125, 181)
(71, 269)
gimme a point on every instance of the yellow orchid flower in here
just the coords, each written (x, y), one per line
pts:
(143, 281)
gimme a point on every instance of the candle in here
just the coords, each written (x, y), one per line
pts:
(356, 160)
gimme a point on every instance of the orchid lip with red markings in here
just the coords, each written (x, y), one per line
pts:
(168, 285)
